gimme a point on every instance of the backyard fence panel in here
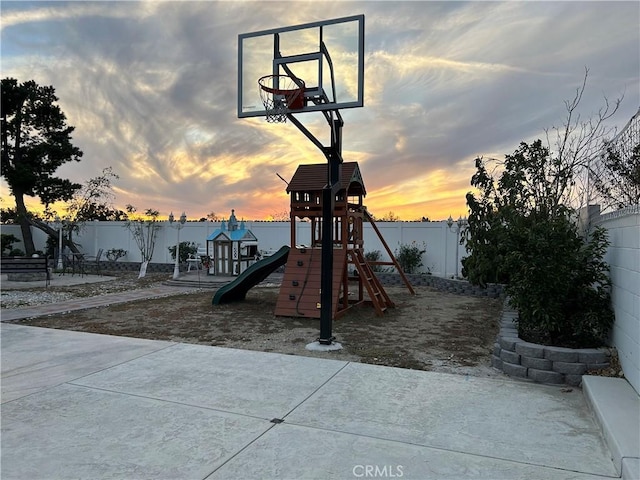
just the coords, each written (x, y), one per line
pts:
(623, 257)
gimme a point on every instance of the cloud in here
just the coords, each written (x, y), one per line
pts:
(151, 90)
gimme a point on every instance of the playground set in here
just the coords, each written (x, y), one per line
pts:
(352, 273)
(314, 68)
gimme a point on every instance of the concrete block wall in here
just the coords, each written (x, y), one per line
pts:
(623, 257)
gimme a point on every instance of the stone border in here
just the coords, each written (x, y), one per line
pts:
(542, 363)
(119, 266)
(26, 276)
(449, 285)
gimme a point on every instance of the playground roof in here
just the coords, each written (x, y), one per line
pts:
(314, 177)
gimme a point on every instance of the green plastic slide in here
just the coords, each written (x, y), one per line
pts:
(237, 290)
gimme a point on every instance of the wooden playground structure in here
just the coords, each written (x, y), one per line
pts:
(353, 274)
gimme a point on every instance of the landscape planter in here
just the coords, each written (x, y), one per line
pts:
(543, 363)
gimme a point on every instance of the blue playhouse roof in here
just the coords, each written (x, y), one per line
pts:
(233, 235)
(235, 232)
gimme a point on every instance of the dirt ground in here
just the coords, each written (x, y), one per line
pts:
(427, 331)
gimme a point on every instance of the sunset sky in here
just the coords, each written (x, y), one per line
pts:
(151, 89)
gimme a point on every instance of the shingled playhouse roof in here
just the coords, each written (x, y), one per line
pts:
(314, 177)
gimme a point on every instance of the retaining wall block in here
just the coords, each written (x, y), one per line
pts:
(569, 368)
(573, 380)
(509, 343)
(509, 332)
(597, 366)
(532, 350)
(511, 357)
(561, 354)
(593, 355)
(514, 370)
(537, 363)
(496, 349)
(496, 362)
(545, 376)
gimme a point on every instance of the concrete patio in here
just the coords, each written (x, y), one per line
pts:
(79, 405)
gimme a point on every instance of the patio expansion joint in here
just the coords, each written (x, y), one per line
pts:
(284, 417)
(449, 450)
(164, 400)
(240, 450)
(71, 382)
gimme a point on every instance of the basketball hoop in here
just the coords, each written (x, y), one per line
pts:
(280, 94)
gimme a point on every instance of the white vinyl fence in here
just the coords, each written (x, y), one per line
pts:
(439, 241)
(623, 257)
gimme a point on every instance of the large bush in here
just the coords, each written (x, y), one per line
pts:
(558, 282)
(521, 233)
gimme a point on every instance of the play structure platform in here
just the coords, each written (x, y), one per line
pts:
(300, 293)
(256, 273)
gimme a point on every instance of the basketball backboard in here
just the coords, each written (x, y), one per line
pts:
(327, 55)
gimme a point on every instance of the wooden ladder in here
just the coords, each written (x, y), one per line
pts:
(378, 295)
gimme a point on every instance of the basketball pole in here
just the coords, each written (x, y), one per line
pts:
(334, 159)
(333, 153)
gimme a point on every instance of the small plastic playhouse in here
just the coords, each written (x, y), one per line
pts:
(232, 248)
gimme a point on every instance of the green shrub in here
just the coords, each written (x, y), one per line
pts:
(410, 256)
(114, 254)
(374, 256)
(186, 249)
(8, 240)
(559, 284)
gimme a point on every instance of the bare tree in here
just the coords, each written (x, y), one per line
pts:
(94, 201)
(574, 145)
(390, 217)
(144, 231)
(213, 217)
(615, 174)
(281, 216)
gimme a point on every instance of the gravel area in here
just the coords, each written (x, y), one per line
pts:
(14, 295)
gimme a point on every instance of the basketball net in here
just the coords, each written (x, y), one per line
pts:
(280, 94)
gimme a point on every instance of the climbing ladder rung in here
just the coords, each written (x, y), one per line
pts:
(378, 296)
